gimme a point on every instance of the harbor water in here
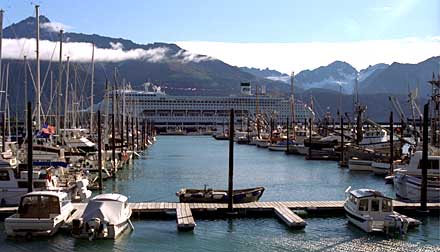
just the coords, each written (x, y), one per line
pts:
(175, 162)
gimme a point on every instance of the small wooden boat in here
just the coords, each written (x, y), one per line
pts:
(209, 195)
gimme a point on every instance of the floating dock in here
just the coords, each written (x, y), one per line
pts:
(282, 209)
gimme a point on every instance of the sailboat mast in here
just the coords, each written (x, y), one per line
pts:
(67, 92)
(1, 39)
(25, 89)
(37, 57)
(91, 88)
(60, 79)
(292, 103)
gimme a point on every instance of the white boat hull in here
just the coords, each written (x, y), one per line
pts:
(408, 188)
(359, 165)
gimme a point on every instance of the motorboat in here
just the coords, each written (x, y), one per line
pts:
(372, 211)
(281, 145)
(380, 168)
(355, 164)
(209, 195)
(106, 216)
(39, 214)
(408, 179)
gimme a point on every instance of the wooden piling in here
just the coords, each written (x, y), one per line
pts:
(424, 186)
(4, 132)
(391, 142)
(231, 162)
(342, 162)
(29, 145)
(137, 133)
(99, 153)
(288, 137)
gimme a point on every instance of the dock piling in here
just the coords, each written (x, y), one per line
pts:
(29, 145)
(231, 162)
(424, 186)
(99, 153)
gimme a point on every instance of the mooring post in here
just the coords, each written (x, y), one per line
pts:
(424, 186)
(231, 162)
(99, 153)
(391, 143)
(342, 163)
(132, 133)
(137, 134)
(310, 137)
(113, 146)
(122, 132)
(288, 137)
(126, 133)
(4, 132)
(29, 150)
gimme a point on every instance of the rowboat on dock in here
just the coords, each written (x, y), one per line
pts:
(209, 195)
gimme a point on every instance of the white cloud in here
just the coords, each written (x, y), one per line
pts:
(77, 51)
(287, 57)
(54, 26)
(117, 45)
(82, 52)
(187, 56)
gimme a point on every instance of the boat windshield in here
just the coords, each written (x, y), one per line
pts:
(39, 206)
(386, 205)
(363, 205)
(375, 205)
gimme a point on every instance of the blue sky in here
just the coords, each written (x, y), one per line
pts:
(196, 23)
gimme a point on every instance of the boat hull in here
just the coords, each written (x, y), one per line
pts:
(408, 188)
(220, 196)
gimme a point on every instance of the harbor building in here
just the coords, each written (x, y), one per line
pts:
(206, 112)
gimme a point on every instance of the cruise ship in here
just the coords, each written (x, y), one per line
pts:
(198, 113)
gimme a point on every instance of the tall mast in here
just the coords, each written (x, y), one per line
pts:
(60, 79)
(292, 103)
(7, 102)
(37, 57)
(91, 88)
(67, 92)
(25, 89)
(1, 38)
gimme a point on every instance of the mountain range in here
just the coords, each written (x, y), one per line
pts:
(180, 72)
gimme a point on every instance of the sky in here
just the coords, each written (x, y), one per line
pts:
(283, 35)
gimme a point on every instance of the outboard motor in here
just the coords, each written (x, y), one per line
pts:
(77, 226)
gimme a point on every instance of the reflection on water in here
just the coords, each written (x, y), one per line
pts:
(176, 162)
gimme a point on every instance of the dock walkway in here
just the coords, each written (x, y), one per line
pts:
(282, 209)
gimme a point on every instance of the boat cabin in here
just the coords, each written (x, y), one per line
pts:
(42, 205)
(370, 202)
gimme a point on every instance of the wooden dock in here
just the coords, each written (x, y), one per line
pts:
(185, 220)
(290, 218)
(282, 209)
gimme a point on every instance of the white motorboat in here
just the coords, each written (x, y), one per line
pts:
(105, 217)
(280, 145)
(39, 213)
(380, 168)
(408, 179)
(371, 211)
(355, 164)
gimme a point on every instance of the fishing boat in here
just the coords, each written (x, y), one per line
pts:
(209, 195)
(372, 211)
(408, 179)
(280, 145)
(39, 213)
(355, 164)
(379, 167)
(106, 216)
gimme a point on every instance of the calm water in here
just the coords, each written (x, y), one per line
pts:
(176, 162)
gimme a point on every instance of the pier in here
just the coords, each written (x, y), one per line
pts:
(284, 210)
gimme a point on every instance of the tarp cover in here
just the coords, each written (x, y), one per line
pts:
(109, 211)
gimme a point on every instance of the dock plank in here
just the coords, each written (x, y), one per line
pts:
(185, 220)
(290, 218)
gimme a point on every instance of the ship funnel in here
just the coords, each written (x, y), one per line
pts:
(245, 88)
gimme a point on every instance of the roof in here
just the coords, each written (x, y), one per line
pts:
(362, 193)
(47, 193)
(110, 197)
